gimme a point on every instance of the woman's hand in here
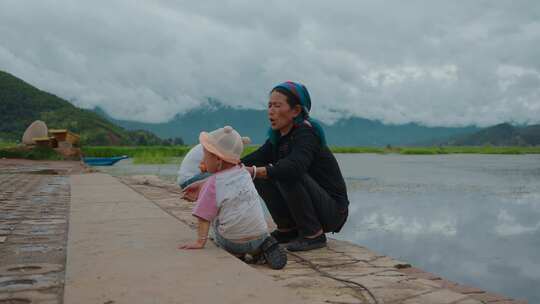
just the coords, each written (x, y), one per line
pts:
(259, 171)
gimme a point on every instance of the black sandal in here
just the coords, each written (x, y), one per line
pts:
(304, 244)
(275, 256)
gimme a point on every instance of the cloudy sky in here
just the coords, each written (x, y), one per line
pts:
(444, 63)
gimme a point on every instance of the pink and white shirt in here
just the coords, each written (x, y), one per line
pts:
(230, 201)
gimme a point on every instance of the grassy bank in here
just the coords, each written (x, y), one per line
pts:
(7, 145)
(141, 154)
(149, 157)
(249, 150)
(110, 151)
(12, 150)
(40, 153)
(146, 154)
(162, 155)
(492, 150)
(166, 154)
(439, 150)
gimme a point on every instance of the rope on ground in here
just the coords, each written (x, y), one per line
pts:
(328, 275)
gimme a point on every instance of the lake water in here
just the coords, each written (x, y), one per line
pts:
(473, 219)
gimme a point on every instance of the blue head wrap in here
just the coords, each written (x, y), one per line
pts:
(301, 93)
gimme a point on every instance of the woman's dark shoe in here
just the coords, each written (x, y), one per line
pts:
(283, 237)
(303, 244)
(274, 255)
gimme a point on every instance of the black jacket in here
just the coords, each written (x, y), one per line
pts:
(297, 153)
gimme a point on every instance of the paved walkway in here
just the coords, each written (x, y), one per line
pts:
(122, 249)
(34, 209)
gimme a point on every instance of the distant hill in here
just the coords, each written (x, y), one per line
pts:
(501, 135)
(254, 123)
(21, 104)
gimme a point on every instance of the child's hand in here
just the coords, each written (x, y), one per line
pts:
(199, 244)
(191, 192)
(202, 234)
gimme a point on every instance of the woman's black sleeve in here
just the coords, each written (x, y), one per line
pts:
(260, 157)
(305, 147)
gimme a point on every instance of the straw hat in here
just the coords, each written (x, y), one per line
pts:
(224, 142)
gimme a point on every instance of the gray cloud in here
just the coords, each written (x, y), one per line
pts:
(434, 62)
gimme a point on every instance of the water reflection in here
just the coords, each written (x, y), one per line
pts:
(470, 218)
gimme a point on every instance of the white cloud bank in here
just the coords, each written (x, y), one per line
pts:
(447, 63)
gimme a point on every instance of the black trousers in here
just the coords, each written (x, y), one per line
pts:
(301, 204)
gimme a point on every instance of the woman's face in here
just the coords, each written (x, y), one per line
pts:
(280, 113)
(211, 162)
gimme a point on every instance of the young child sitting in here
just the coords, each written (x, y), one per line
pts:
(229, 203)
(192, 173)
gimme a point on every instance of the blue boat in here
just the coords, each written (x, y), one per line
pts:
(103, 161)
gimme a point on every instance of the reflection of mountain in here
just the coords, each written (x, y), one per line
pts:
(253, 123)
(501, 135)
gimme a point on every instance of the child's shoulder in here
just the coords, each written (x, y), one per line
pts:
(233, 175)
(236, 170)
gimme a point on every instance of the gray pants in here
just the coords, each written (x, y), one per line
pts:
(239, 248)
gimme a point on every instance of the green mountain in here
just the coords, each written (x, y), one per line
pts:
(21, 104)
(254, 123)
(501, 135)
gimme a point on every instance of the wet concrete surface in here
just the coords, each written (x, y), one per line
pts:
(34, 208)
(340, 273)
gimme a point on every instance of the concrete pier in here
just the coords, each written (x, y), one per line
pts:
(123, 249)
(67, 236)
